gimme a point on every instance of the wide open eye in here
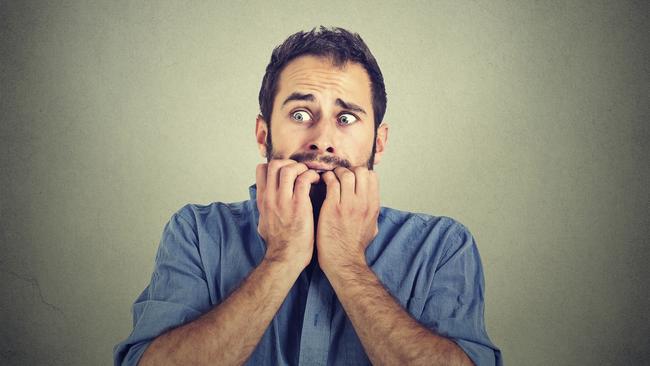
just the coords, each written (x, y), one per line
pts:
(347, 119)
(301, 116)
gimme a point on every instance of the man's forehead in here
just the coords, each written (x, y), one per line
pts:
(313, 62)
(317, 75)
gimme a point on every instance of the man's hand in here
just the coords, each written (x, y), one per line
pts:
(348, 218)
(228, 334)
(286, 220)
(347, 224)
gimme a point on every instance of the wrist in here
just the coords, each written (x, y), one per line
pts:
(348, 269)
(284, 264)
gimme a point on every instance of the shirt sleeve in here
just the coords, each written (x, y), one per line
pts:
(177, 293)
(454, 307)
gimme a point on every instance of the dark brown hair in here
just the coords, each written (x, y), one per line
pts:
(335, 43)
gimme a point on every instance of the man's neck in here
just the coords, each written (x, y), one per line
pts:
(317, 195)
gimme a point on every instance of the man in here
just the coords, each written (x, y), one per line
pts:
(311, 270)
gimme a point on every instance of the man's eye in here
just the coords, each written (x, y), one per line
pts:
(301, 116)
(347, 119)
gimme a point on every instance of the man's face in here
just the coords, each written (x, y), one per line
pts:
(323, 116)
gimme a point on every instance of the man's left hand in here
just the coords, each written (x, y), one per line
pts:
(347, 221)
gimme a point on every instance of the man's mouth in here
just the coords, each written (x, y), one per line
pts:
(318, 167)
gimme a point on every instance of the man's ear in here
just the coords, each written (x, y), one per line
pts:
(261, 131)
(382, 140)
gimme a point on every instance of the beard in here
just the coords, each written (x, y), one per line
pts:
(318, 191)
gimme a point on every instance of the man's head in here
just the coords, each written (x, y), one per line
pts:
(322, 102)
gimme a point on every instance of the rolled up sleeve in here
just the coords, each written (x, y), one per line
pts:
(177, 293)
(454, 307)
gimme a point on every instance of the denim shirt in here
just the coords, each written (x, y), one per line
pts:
(430, 265)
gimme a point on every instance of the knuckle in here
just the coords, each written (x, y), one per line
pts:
(280, 206)
(364, 210)
(303, 178)
(344, 211)
(266, 205)
(287, 174)
(275, 164)
(301, 181)
(296, 205)
(349, 211)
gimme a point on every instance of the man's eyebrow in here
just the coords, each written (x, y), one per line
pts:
(298, 96)
(349, 106)
(310, 98)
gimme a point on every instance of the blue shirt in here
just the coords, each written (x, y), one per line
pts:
(429, 264)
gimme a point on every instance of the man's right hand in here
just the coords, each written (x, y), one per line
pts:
(286, 221)
(227, 334)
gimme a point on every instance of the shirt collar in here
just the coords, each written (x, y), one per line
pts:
(252, 190)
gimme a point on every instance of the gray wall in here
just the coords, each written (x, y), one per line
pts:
(526, 121)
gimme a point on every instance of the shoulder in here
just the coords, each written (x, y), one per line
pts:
(194, 221)
(422, 221)
(442, 235)
(204, 226)
(196, 214)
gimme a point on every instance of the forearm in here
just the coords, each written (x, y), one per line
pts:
(227, 334)
(390, 336)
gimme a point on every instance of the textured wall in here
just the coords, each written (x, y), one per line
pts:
(527, 121)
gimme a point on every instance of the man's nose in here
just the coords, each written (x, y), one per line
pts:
(323, 137)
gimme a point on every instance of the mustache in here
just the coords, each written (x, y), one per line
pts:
(313, 156)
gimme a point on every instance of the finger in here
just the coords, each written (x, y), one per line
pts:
(260, 181)
(373, 188)
(303, 184)
(361, 180)
(333, 187)
(347, 179)
(272, 176)
(287, 179)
